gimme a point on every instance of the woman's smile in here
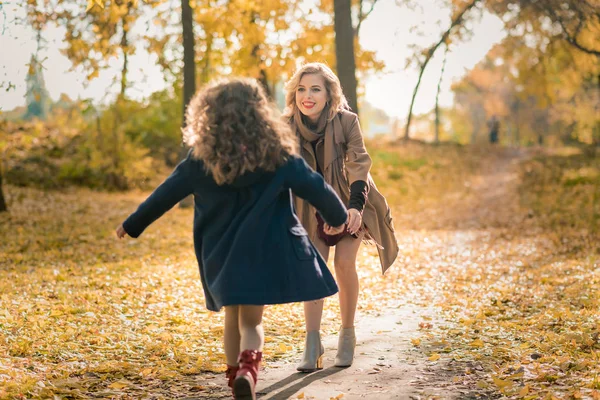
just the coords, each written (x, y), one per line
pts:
(311, 96)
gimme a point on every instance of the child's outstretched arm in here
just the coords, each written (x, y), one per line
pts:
(121, 232)
(174, 189)
(311, 186)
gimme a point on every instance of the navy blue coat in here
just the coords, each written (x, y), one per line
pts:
(251, 247)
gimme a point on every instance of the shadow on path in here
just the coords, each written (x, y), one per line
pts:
(304, 380)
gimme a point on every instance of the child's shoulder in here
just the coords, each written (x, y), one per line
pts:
(194, 164)
(196, 170)
(293, 163)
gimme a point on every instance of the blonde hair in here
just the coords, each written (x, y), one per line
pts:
(337, 100)
(233, 129)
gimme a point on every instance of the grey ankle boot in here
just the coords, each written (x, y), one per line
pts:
(312, 359)
(346, 345)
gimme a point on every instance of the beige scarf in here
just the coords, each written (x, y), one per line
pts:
(329, 154)
(329, 157)
(307, 133)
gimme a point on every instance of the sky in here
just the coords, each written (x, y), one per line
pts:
(386, 31)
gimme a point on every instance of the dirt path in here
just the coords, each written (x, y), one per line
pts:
(387, 364)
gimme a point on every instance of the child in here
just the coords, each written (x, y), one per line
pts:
(250, 245)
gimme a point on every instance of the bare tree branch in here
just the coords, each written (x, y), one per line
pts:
(437, 96)
(456, 21)
(362, 16)
(572, 39)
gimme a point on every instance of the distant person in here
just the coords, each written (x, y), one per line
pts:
(251, 247)
(332, 144)
(494, 127)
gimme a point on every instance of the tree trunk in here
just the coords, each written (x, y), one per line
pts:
(189, 73)
(2, 201)
(517, 130)
(596, 129)
(476, 127)
(189, 66)
(437, 98)
(264, 81)
(344, 50)
(457, 20)
(262, 74)
(514, 108)
(205, 73)
(124, 43)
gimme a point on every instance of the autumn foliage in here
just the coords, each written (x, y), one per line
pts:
(500, 243)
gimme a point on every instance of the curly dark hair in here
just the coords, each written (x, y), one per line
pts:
(233, 129)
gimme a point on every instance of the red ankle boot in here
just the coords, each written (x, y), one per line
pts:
(230, 374)
(247, 376)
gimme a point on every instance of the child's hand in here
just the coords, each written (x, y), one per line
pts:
(121, 232)
(330, 230)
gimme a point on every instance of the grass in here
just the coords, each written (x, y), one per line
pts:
(563, 190)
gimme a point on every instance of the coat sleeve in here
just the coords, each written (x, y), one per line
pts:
(174, 189)
(311, 186)
(358, 161)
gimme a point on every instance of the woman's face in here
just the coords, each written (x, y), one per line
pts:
(311, 96)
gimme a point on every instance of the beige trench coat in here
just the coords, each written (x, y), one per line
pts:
(377, 215)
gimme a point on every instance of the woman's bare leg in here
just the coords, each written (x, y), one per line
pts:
(313, 310)
(347, 278)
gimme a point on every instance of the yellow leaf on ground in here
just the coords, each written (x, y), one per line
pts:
(502, 384)
(434, 357)
(119, 384)
(477, 343)
(415, 341)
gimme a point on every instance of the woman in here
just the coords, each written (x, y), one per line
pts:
(332, 144)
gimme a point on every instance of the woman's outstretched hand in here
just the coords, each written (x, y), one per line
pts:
(354, 220)
(121, 232)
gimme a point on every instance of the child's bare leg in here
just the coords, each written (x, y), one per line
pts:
(253, 337)
(232, 334)
(251, 329)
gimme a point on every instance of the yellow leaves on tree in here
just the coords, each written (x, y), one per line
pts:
(92, 3)
(100, 3)
(538, 86)
(264, 39)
